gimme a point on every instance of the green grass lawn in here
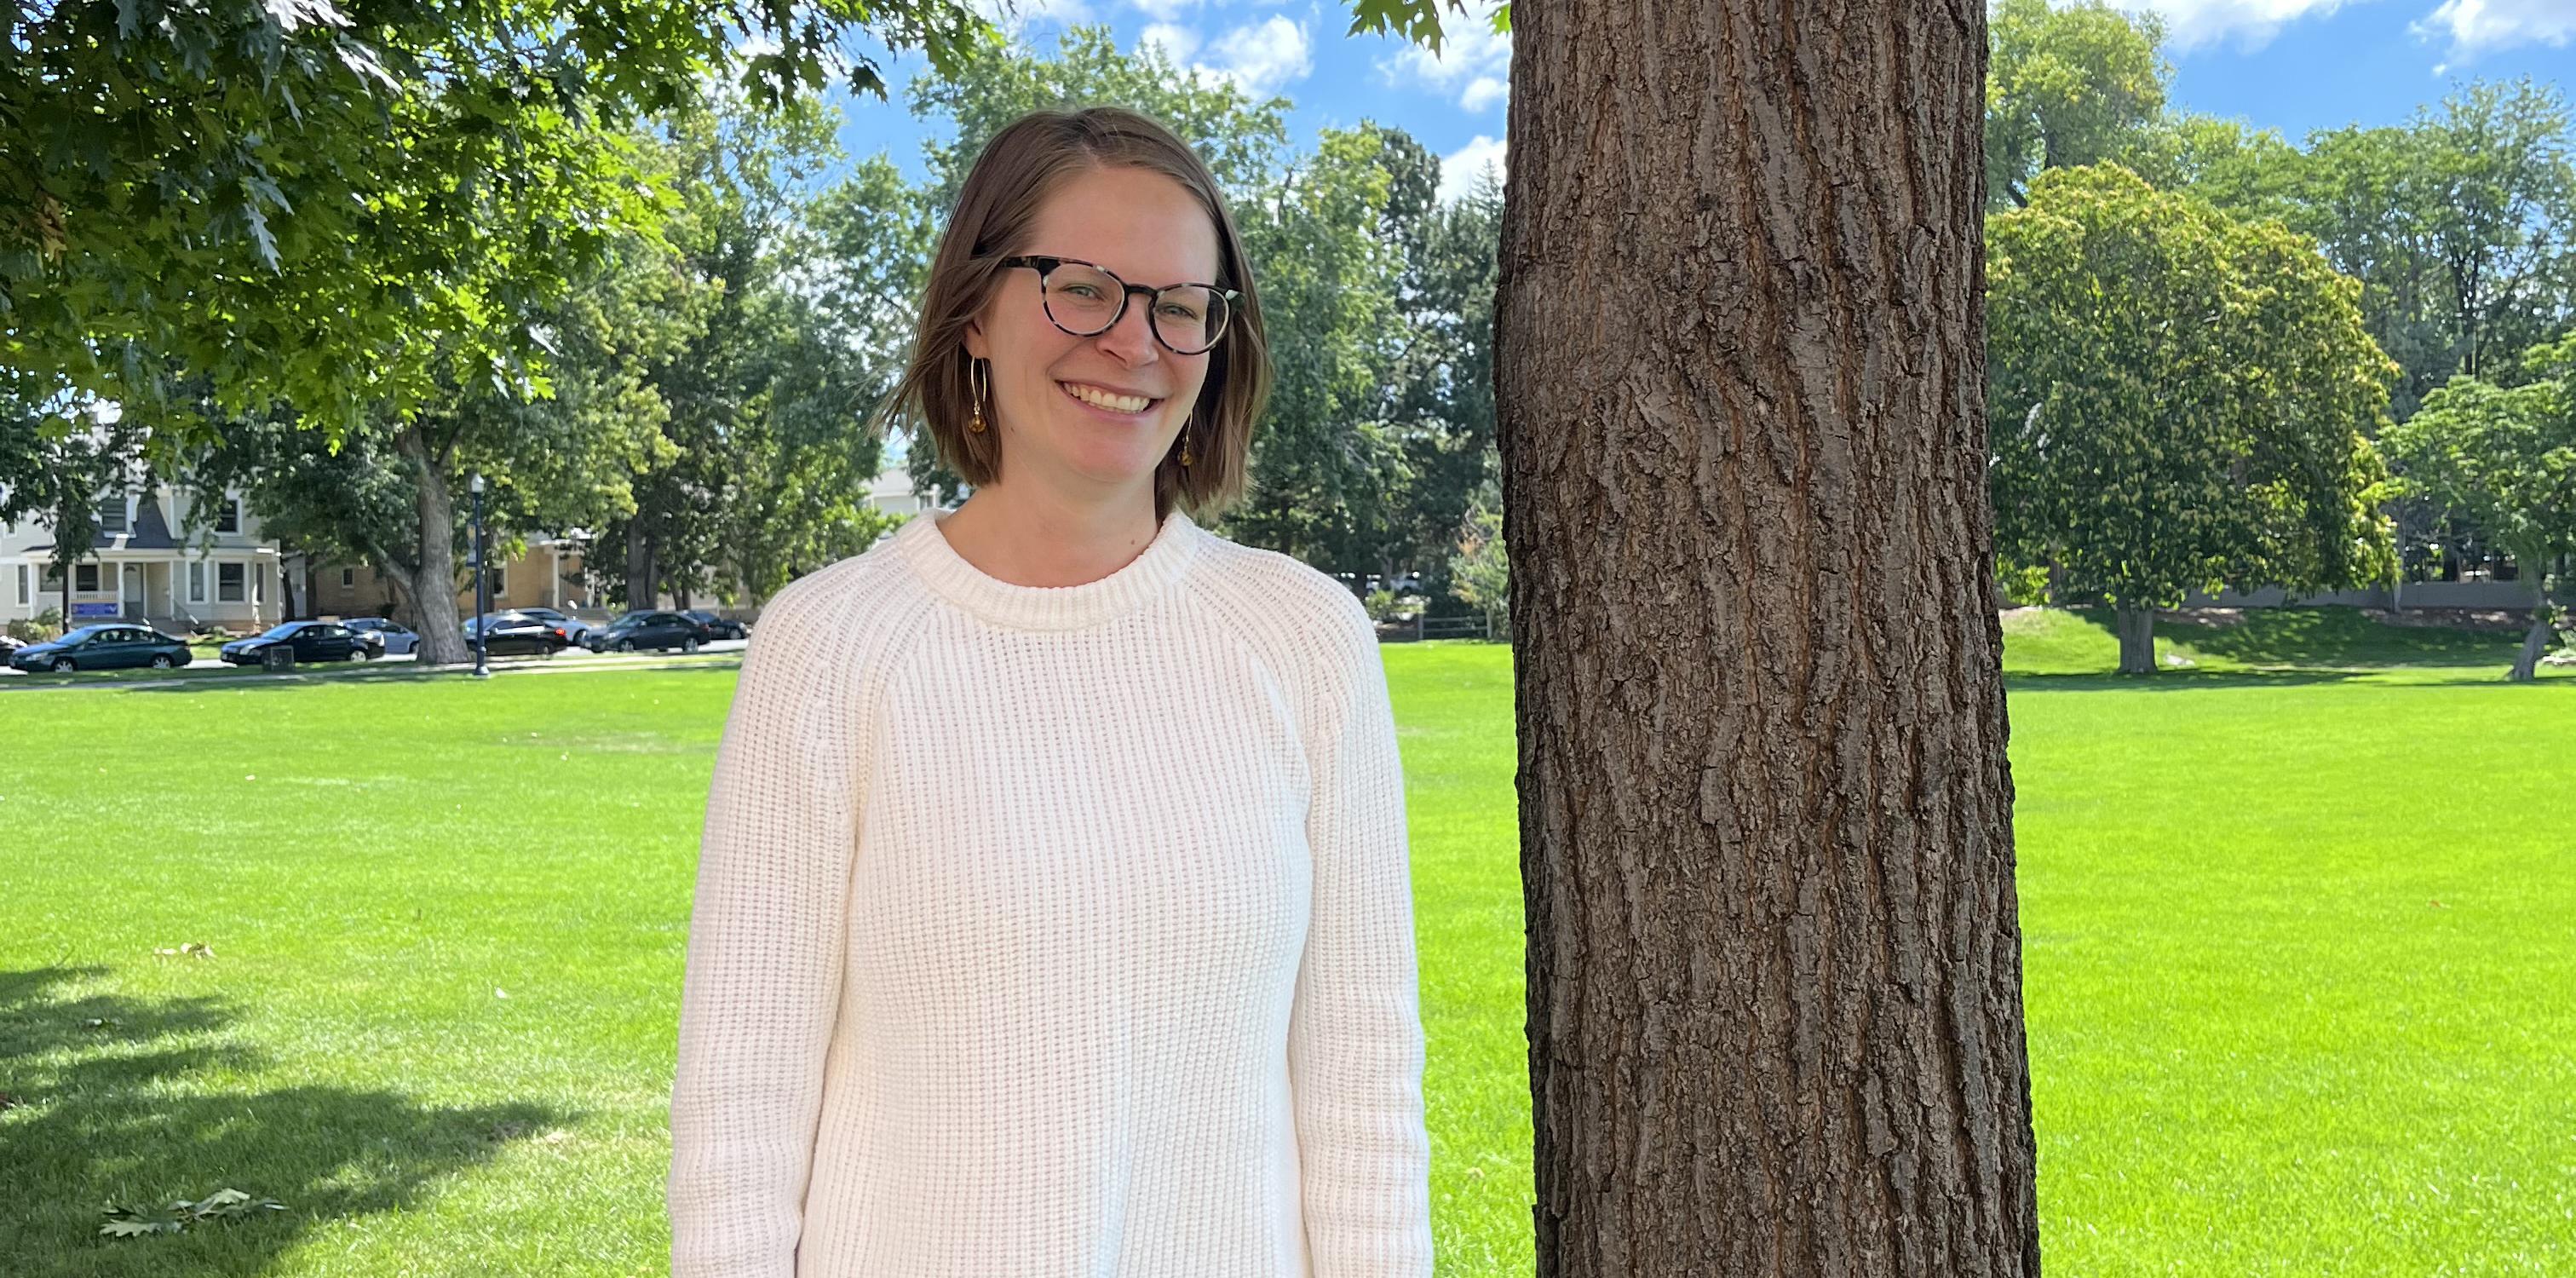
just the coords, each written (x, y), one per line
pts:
(2300, 921)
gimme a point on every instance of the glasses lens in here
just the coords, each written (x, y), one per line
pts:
(1189, 317)
(1082, 299)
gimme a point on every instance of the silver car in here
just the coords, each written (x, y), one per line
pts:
(389, 638)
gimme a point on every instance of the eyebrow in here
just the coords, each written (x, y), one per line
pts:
(1070, 257)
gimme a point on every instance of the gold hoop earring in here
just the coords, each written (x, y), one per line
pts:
(977, 385)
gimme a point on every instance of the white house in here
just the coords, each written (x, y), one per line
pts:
(153, 559)
(892, 492)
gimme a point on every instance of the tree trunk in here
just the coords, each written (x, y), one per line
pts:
(1774, 975)
(433, 578)
(2137, 630)
(2535, 644)
(640, 589)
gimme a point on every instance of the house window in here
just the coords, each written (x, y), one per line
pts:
(85, 579)
(228, 515)
(111, 515)
(49, 579)
(23, 598)
(228, 583)
(348, 578)
(259, 585)
(196, 581)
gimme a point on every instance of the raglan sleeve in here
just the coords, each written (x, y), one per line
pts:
(766, 943)
(1355, 1039)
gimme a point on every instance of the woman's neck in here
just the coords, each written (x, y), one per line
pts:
(1032, 540)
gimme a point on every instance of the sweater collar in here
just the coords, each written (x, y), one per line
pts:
(1157, 567)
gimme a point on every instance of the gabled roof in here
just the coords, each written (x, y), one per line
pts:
(149, 532)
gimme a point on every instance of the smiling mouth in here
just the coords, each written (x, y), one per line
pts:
(1124, 405)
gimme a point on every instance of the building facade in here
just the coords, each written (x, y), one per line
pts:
(154, 559)
(159, 561)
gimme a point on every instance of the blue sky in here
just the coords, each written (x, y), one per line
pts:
(2290, 65)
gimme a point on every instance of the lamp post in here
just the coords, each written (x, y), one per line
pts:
(482, 584)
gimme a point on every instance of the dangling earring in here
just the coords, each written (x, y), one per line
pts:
(975, 383)
(1185, 442)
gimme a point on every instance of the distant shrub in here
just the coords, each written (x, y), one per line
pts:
(44, 626)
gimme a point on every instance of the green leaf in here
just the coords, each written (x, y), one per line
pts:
(135, 1222)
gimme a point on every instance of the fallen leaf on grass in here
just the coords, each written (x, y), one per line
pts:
(134, 1222)
(196, 949)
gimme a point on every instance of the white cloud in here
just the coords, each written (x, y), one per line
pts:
(2482, 26)
(2250, 23)
(1261, 57)
(1164, 10)
(1460, 168)
(1484, 91)
(1474, 62)
(1178, 43)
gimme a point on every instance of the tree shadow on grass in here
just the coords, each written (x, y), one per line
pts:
(2176, 680)
(100, 1109)
(2330, 637)
(449, 673)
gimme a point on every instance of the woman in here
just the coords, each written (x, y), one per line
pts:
(1052, 913)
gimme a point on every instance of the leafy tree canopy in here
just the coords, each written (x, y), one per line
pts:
(2178, 400)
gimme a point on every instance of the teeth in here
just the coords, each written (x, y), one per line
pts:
(1114, 403)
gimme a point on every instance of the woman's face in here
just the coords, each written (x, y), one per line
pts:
(1146, 229)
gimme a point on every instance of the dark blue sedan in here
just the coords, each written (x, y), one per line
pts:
(111, 645)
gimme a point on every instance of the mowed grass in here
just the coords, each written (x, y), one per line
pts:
(2300, 938)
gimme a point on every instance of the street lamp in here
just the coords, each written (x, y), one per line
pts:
(482, 585)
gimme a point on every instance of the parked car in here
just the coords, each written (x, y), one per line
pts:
(642, 629)
(515, 631)
(389, 637)
(108, 645)
(712, 627)
(308, 640)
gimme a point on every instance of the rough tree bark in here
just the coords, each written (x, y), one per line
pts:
(2136, 628)
(641, 590)
(433, 578)
(1774, 974)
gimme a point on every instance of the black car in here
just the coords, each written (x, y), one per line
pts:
(518, 632)
(643, 629)
(712, 627)
(110, 645)
(308, 640)
(575, 629)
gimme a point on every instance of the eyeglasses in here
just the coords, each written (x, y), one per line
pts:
(1085, 300)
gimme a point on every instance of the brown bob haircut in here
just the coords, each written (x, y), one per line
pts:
(996, 207)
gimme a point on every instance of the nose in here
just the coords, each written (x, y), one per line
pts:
(1131, 339)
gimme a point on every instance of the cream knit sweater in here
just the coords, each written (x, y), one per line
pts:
(1054, 932)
